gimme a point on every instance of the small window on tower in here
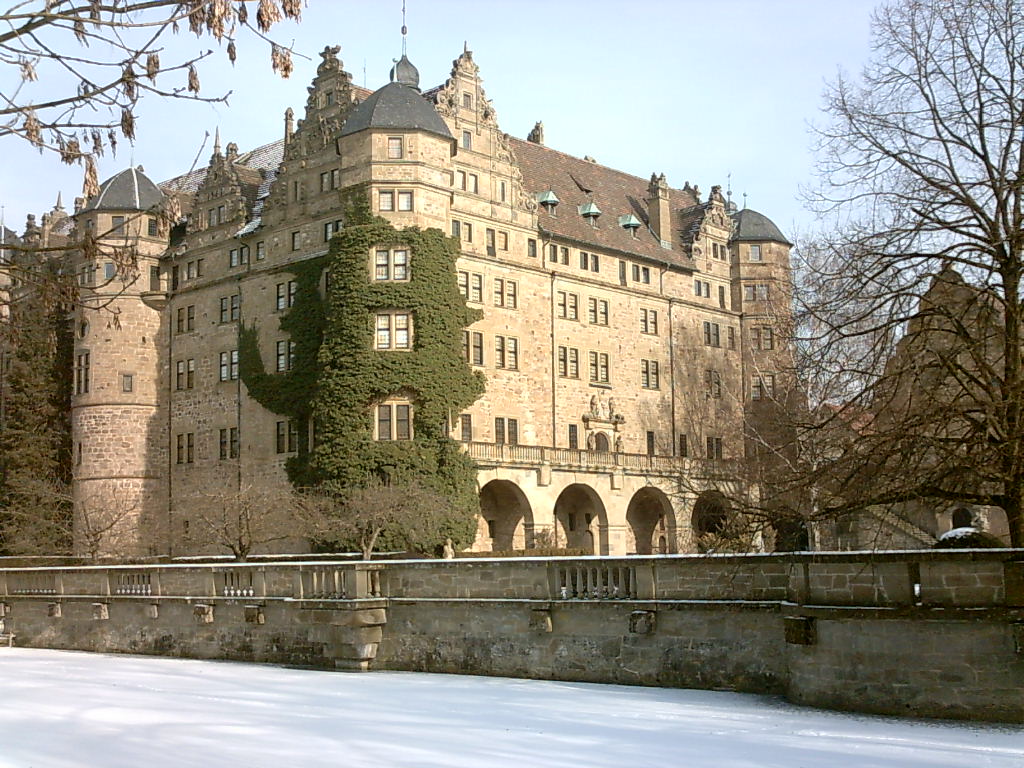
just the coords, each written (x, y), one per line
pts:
(395, 148)
(126, 382)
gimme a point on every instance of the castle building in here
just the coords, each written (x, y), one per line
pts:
(627, 328)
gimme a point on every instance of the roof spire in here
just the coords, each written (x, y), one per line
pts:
(58, 206)
(216, 141)
(405, 29)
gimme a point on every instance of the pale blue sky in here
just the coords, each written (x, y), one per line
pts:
(693, 89)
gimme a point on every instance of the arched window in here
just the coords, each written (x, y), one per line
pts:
(962, 518)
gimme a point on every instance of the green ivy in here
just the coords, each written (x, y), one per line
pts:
(338, 375)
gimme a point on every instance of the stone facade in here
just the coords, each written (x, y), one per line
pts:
(627, 326)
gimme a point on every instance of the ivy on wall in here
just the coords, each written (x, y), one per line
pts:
(338, 376)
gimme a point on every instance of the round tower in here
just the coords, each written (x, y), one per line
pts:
(409, 148)
(118, 424)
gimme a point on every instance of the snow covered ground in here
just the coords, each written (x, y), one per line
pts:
(61, 709)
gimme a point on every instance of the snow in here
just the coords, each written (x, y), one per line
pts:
(61, 709)
(959, 533)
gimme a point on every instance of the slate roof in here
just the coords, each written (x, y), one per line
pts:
(577, 182)
(266, 157)
(129, 190)
(396, 107)
(753, 226)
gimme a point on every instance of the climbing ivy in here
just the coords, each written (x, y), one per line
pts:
(338, 376)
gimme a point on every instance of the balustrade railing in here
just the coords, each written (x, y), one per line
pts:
(596, 581)
(33, 583)
(131, 583)
(237, 583)
(574, 457)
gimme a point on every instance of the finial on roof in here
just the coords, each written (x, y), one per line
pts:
(744, 199)
(405, 29)
(289, 125)
(536, 136)
(404, 73)
(216, 140)
(58, 206)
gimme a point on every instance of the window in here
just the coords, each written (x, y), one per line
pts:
(732, 337)
(622, 273)
(467, 231)
(117, 225)
(712, 384)
(386, 200)
(229, 443)
(650, 443)
(590, 261)
(641, 274)
(331, 228)
(683, 446)
(714, 447)
(287, 436)
(109, 271)
(394, 421)
(721, 296)
(473, 347)
(649, 374)
(127, 382)
(568, 362)
(393, 330)
(285, 295)
(506, 293)
(763, 387)
(405, 201)
(391, 264)
(649, 321)
(584, 260)
(466, 427)
(296, 240)
(472, 183)
(506, 430)
(233, 259)
(568, 305)
(330, 180)
(229, 365)
(755, 292)
(395, 148)
(701, 288)
(712, 334)
(220, 214)
(456, 228)
(467, 140)
(506, 352)
(88, 275)
(531, 248)
(553, 253)
(185, 374)
(563, 253)
(489, 236)
(261, 251)
(467, 100)
(762, 337)
(597, 311)
(755, 253)
(574, 437)
(151, 227)
(285, 355)
(502, 241)
(186, 318)
(502, 191)
(185, 445)
(230, 308)
(82, 373)
(599, 367)
(174, 276)
(471, 286)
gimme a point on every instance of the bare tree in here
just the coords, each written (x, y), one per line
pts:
(408, 514)
(915, 317)
(240, 520)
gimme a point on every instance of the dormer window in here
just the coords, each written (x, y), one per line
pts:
(590, 212)
(549, 201)
(630, 222)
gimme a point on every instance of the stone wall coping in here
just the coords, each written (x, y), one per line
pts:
(862, 557)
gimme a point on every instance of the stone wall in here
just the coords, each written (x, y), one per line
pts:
(934, 633)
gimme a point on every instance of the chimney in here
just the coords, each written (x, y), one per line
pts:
(658, 213)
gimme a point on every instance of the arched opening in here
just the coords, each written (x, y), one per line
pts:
(580, 520)
(505, 516)
(601, 442)
(962, 518)
(651, 522)
(792, 536)
(710, 521)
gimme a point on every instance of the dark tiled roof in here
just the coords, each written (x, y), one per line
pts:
(576, 182)
(753, 226)
(266, 157)
(129, 190)
(396, 107)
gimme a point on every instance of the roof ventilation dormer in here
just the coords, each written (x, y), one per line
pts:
(590, 212)
(549, 200)
(630, 222)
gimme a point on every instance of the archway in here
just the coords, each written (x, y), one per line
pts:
(506, 516)
(652, 522)
(962, 518)
(710, 520)
(578, 512)
(601, 442)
